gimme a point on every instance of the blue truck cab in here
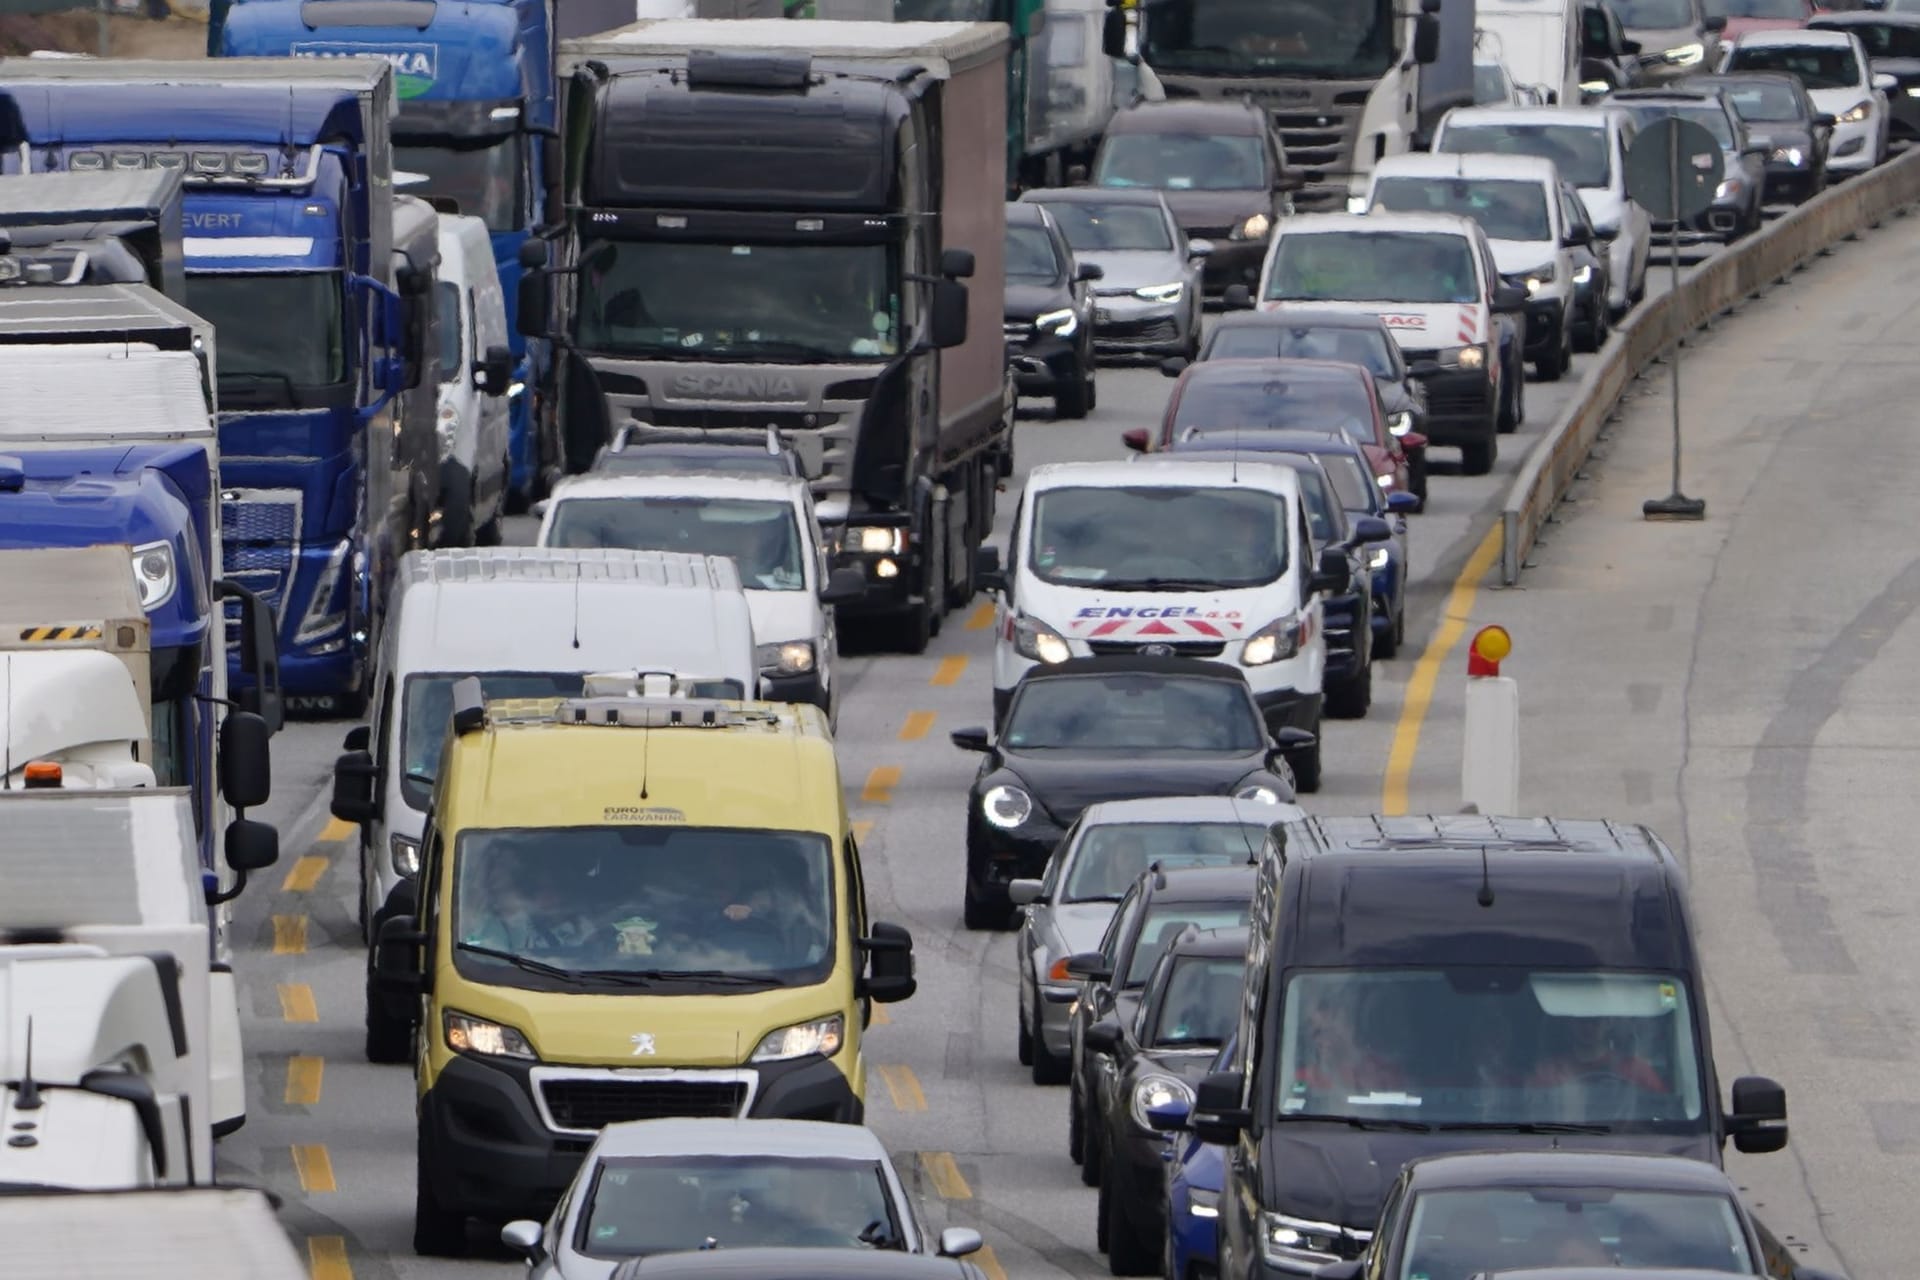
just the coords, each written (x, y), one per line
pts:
(328, 458)
(474, 81)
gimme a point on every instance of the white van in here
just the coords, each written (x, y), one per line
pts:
(766, 523)
(529, 621)
(1180, 559)
(1538, 41)
(476, 375)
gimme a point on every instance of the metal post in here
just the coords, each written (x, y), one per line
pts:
(1676, 505)
(105, 39)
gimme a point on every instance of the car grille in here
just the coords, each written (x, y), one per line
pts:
(1161, 329)
(592, 1104)
(1119, 648)
(260, 535)
(1444, 400)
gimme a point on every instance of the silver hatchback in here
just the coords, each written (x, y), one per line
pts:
(1147, 300)
(1067, 912)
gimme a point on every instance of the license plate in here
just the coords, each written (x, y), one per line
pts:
(1102, 317)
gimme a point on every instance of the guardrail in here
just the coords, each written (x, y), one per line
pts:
(1709, 289)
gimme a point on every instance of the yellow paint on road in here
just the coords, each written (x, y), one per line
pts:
(904, 1088)
(982, 616)
(880, 784)
(327, 1259)
(315, 1167)
(916, 726)
(303, 1080)
(336, 831)
(1454, 616)
(296, 1003)
(289, 935)
(950, 670)
(862, 829)
(304, 874)
(984, 1259)
(880, 1018)
(944, 1174)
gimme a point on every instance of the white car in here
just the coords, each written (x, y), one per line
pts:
(766, 523)
(476, 370)
(1182, 559)
(1589, 146)
(1834, 68)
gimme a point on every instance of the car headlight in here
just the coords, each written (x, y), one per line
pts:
(1379, 558)
(1384, 481)
(1856, 113)
(1060, 323)
(153, 573)
(1400, 423)
(1258, 795)
(1275, 642)
(1157, 1091)
(1913, 91)
(1202, 1203)
(1789, 155)
(1728, 189)
(1034, 639)
(1006, 807)
(1540, 277)
(822, 1036)
(1584, 275)
(468, 1034)
(1595, 87)
(1296, 1240)
(406, 854)
(1685, 55)
(1161, 292)
(876, 540)
(1474, 357)
(1253, 228)
(789, 658)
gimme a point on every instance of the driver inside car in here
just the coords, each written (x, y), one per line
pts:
(1590, 1052)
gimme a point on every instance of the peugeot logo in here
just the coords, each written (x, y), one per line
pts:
(1157, 650)
(643, 1044)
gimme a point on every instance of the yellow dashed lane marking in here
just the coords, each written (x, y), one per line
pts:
(916, 726)
(303, 1080)
(982, 616)
(904, 1088)
(862, 829)
(315, 1167)
(880, 784)
(327, 1259)
(289, 935)
(296, 1003)
(949, 670)
(336, 831)
(984, 1259)
(944, 1174)
(880, 1017)
(304, 874)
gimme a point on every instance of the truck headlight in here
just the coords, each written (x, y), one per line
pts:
(1161, 292)
(876, 540)
(822, 1036)
(468, 1034)
(1856, 113)
(1275, 642)
(1006, 807)
(153, 573)
(406, 855)
(1157, 1091)
(1400, 423)
(1034, 639)
(321, 619)
(789, 658)
(1253, 228)
(1286, 1240)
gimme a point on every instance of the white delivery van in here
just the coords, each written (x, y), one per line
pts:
(476, 384)
(202, 1233)
(1182, 559)
(764, 523)
(1538, 41)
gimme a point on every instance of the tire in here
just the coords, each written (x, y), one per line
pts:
(1076, 1126)
(1102, 1225)
(1048, 1067)
(1127, 1253)
(1351, 699)
(1024, 1040)
(1387, 643)
(980, 914)
(913, 629)
(1417, 476)
(1477, 459)
(1507, 420)
(438, 1232)
(1306, 766)
(1093, 1164)
(1553, 366)
(389, 1039)
(1074, 400)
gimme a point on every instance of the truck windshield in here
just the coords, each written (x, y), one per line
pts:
(1505, 210)
(666, 1204)
(680, 907)
(763, 538)
(1182, 162)
(1358, 266)
(482, 178)
(783, 303)
(1491, 1046)
(427, 705)
(1314, 39)
(1580, 153)
(281, 336)
(446, 302)
(1158, 537)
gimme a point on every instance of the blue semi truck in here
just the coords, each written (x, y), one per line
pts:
(475, 86)
(328, 452)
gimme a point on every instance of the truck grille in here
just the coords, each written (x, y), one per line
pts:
(593, 1104)
(260, 533)
(1319, 134)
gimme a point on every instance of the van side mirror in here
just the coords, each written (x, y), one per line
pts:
(1217, 1116)
(949, 320)
(956, 264)
(494, 372)
(355, 778)
(1426, 39)
(889, 951)
(1758, 1120)
(245, 765)
(533, 301)
(1113, 34)
(987, 570)
(1238, 298)
(250, 845)
(1333, 575)
(396, 955)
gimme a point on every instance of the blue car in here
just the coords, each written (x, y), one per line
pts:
(1195, 1173)
(1346, 466)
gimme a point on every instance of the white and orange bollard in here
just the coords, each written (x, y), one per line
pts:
(1490, 762)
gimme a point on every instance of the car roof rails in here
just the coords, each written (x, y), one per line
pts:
(805, 448)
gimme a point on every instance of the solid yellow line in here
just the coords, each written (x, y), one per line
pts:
(944, 1174)
(982, 616)
(305, 874)
(289, 935)
(315, 1167)
(880, 1017)
(982, 1258)
(862, 829)
(327, 1259)
(1455, 615)
(335, 831)
(950, 669)
(880, 784)
(904, 1088)
(303, 1080)
(917, 725)
(296, 1003)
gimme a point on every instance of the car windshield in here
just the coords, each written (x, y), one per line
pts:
(1159, 538)
(1794, 9)
(1653, 15)
(1276, 403)
(1477, 1046)
(1091, 228)
(1111, 857)
(427, 704)
(282, 338)
(1200, 1005)
(1579, 152)
(652, 899)
(1887, 39)
(1505, 209)
(1182, 162)
(1131, 712)
(1031, 255)
(1352, 483)
(446, 300)
(1764, 102)
(1456, 1234)
(1371, 349)
(1706, 115)
(762, 537)
(1489, 84)
(1163, 924)
(1361, 266)
(666, 1204)
(1318, 499)
(483, 178)
(1818, 66)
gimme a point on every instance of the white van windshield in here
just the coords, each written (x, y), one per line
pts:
(1159, 538)
(1506, 209)
(426, 705)
(1362, 266)
(762, 537)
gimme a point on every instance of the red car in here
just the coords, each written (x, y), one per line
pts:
(1282, 395)
(1763, 15)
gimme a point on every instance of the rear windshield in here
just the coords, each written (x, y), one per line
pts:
(1111, 857)
(1201, 1004)
(1359, 266)
(1762, 101)
(1166, 921)
(1090, 228)
(1889, 40)
(1276, 404)
(1579, 152)
(1505, 209)
(1818, 67)
(1182, 162)
(1371, 349)
(1134, 712)
(1706, 115)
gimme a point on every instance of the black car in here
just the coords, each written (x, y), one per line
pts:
(1735, 211)
(795, 1263)
(1186, 1013)
(1159, 908)
(1456, 1216)
(1049, 313)
(1112, 728)
(1301, 331)
(1782, 118)
(1592, 273)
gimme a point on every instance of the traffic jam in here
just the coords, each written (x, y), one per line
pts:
(555, 464)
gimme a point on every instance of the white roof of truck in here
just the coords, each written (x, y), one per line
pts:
(98, 858)
(932, 43)
(198, 1234)
(352, 73)
(56, 586)
(58, 394)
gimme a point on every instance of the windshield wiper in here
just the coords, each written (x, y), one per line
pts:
(647, 977)
(253, 375)
(424, 779)
(1360, 1122)
(1160, 584)
(877, 1235)
(520, 962)
(1524, 1126)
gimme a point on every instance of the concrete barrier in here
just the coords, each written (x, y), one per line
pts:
(1708, 289)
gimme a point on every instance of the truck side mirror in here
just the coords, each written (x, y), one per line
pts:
(956, 264)
(259, 657)
(245, 765)
(533, 254)
(494, 372)
(949, 322)
(251, 846)
(534, 298)
(889, 951)
(1113, 34)
(1426, 39)
(355, 777)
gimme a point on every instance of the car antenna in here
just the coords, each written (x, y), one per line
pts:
(577, 571)
(646, 757)
(6, 779)
(1485, 897)
(28, 1098)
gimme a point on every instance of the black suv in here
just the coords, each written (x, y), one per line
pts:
(1049, 313)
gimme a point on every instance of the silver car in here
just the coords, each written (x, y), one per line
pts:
(1147, 300)
(1068, 910)
(662, 1186)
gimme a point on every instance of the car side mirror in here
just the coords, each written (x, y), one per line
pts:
(973, 738)
(1113, 34)
(1199, 248)
(1237, 298)
(1169, 1116)
(1629, 46)
(949, 319)
(1758, 1120)
(889, 949)
(246, 768)
(250, 845)
(958, 1242)
(1138, 439)
(1089, 271)
(494, 373)
(987, 570)
(1509, 298)
(1290, 739)
(1577, 235)
(1423, 368)
(1334, 575)
(1173, 366)
(1371, 529)
(1400, 502)
(1023, 893)
(523, 1237)
(1345, 1269)
(1102, 1037)
(355, 778)
(1413, 442)
(1885, 83)
(1076, 175)
(1217, 1116)
(533, 301)
(1715, 22)
(1089, 966)
(1825, 120)
(1290, 180)
(843, 586)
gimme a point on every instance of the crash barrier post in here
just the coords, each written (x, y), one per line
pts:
(1490, 761)
(1708, 289)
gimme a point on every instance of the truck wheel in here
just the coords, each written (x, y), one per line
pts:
(1477, 459)
(437, 1232)
(913, 629)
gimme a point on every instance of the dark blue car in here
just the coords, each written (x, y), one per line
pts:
(1195, 1174)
